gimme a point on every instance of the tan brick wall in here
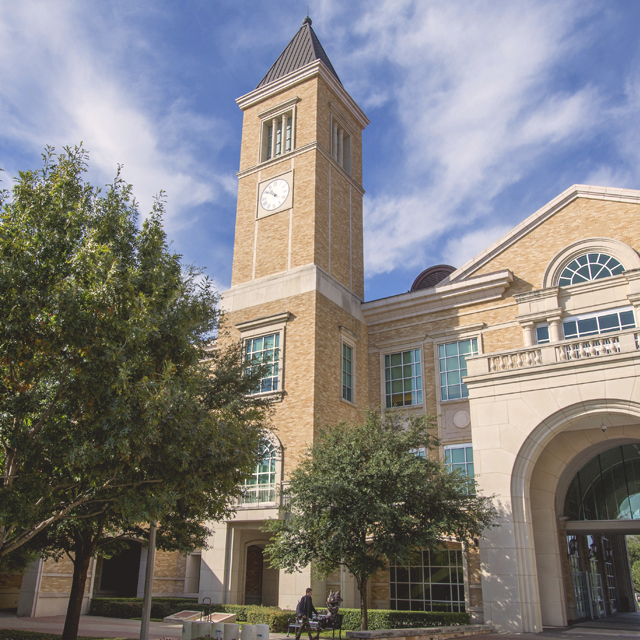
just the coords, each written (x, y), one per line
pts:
(304, 198)
(10, 581)
(330, 408)
(272, 245)
(293, 418)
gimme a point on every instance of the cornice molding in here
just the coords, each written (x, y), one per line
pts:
(312, 146)
(315, 68)
(424, 301)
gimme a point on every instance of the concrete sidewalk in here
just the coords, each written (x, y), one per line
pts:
(99, 627)
(94, 626)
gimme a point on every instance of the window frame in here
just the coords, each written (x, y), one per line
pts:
(272, 440)
(588, 263)
(462, 445)
(346, 341)
(401, 350)
(267, 326)
(598, 314)
(451, 340)
(275, 363)
(339, 121)
(288, 108)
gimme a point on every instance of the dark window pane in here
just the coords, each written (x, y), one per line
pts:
(402, 574)
(402, 590)
(416, 574)
(441, 592)
(403, 605)
(417, 591)
(439, 574)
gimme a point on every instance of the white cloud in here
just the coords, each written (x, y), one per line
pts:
(475, 110)
(67, 75)
(459, 250)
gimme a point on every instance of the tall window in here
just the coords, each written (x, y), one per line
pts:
(453, 367)
(261, 486)
(460, 457)
(264, 352)
(403, 379)
(590, 266)
(434, 581)
(277, 135)
(347, 366)
(597, 323)
(341, 146)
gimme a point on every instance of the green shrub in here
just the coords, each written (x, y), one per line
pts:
(390, 619)
(128, 608)
(274, 617)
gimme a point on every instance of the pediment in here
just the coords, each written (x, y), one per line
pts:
(538, 218)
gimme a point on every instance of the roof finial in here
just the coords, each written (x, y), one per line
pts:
(307, 20)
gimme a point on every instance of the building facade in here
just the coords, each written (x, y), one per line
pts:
(528, 355)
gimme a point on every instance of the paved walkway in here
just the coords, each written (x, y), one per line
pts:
(621, 625)
(94, 626)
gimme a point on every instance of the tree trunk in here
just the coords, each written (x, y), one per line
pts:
(362, 588)
(82, 560)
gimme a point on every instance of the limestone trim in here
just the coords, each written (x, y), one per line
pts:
(574, 192)
(315, 68)
(291, 283)
(458, 294)
(259, 324)
(279, 108)
(523, 467)
(619, 250)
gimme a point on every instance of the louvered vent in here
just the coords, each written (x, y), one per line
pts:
(431, 276)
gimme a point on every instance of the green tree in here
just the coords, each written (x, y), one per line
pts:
(114, 408)
(361, 498)
(633, 544)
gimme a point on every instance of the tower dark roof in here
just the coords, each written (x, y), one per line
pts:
(303, 49)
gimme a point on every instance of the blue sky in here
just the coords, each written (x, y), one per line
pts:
(481, 112)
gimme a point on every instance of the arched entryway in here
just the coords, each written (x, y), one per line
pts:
(117, 577)
(542, 477)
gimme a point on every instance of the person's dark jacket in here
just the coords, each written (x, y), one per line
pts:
(305, 607)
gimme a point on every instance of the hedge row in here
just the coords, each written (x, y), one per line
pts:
(391, 619)
(132, 607)
(274, 617)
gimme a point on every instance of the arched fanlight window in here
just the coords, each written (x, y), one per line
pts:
(607, 487)
(261, 486)
(588, 267)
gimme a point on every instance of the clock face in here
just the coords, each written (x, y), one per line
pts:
(274, 194)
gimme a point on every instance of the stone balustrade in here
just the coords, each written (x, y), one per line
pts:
(553, 353)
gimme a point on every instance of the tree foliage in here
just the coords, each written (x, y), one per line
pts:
(362, 498)
(633, 544)
(114, 408)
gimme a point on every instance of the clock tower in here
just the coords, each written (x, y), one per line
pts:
(295, 297)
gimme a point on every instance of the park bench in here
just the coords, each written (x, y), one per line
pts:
(293, 624)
